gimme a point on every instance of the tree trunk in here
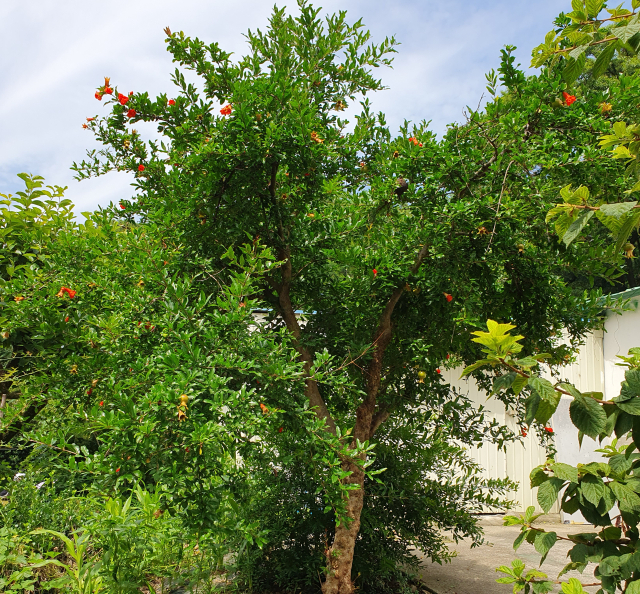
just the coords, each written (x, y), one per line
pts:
(340, 553)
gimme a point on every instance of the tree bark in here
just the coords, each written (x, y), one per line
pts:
(340, 555)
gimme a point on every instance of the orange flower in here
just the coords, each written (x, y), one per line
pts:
(316, 138)
(375, 272)
(66, 290)
(415, 141)
(141, 167)
(98, 95)
(90, 119)
(226, 110)
(172, 102)
(108, 91)
(264, 409)
(107, 81)
(118, 469)
(85, 126)
(18, 299)
(122, 98)
(66, 319)
(448, 296)
(101, 403)
(568, 99)
(548, 429)
(131, 113)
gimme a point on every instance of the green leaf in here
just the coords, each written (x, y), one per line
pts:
(519, 540)
(546, 410)
(503, 382)
(620, 463)
(477, 365)
(544, 388)
(594, 7)
(628, 499)
(631, 385)
(631, 406)
(603, 61)
(519, 383)
(565, 472)
(633, 587)
(573, 586)
(544, 542)
(617, 210)
(576, 227)
(573, 69)
(587, 415)
(592, 489)
(538, 476)
(532, 403)
(548, 493)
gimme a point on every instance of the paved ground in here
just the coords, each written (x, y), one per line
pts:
(473, 571)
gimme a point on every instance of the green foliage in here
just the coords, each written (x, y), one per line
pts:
(394, 248)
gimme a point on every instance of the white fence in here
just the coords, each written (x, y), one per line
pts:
(521, 458)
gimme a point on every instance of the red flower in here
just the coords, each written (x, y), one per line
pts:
(118, 469)
(523, 432)
(568, 99)
(226, 110)
(141, 167)
(186, 450)
(448, 355)
(172, 102)
(66, 290)
(90, 119)
(108, 91)
(66, 319)
(375, 272)
(548, 429)
(89, 391)
(415, 141)
(98, 95)
(437, 370)
(131, 113)
(241, 304)
(280, 430)
(102, 403)
(122, 98)
(85, 126)
(130, 93)
(448, 296)
(122, 206)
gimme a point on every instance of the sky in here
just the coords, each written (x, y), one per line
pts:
(56, 53)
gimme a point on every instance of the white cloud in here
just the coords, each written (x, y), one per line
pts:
(60, 50)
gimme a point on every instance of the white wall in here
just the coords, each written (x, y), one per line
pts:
(622, 333)
(522, 457)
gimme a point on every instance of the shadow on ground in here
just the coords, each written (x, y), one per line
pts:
(473, 571)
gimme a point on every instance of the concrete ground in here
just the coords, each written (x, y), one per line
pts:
(473, 571)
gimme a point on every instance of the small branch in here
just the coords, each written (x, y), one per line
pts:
(495, 220)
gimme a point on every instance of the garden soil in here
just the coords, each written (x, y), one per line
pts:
(473, 571)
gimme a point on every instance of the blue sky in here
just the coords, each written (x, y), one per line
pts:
(56, 52)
